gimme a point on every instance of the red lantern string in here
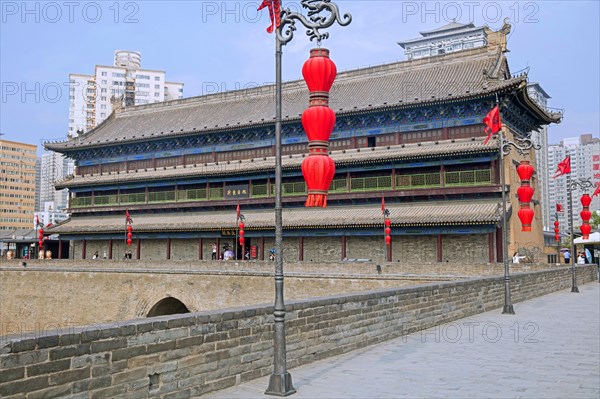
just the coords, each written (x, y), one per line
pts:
(318, 121)
(585, 214)
(556, 231)
(242, 233)
(525, 194)
(388, 231)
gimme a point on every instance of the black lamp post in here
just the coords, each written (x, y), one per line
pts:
(280, 383)
(523, 145)
(574, 185)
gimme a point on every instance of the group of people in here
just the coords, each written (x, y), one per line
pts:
(581, 257)
(227, 253)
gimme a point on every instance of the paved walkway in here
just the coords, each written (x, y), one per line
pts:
(549, 349)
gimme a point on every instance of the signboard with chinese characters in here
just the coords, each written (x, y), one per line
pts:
(236, 191)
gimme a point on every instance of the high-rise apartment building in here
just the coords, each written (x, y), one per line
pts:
(17, 184)
(585, 164)
(54, 167)
(540, 138)
(93, 97)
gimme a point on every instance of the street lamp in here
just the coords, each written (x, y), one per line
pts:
(573, 185)
(523, 145)
(280, 383)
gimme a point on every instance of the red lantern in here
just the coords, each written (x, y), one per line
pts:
(585, 231)
(526, 216)
(129, 228)
(242, 232)
(525, 193)
(585, 215)
(242, 240)
(129, 242)
(556, 224)
(41, 232)
(388, 231)
(525, 171)
(129, 235)
(318, 171)
(586, 200)
(557, 238)
(318, 123)
(388, 223)
(388, 240)
(319, 71)
(557, 230)
(242, 225)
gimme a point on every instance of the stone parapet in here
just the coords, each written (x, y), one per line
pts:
(188, 355)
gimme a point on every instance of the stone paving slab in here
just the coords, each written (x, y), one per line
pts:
(549, 349)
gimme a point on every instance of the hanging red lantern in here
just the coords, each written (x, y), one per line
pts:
(129, 234)
(388, 240)
(525, 193)
(242, 232)
(388, 231)
(526, 216)
(556, 224)
(129, 228)
(242, 241)
(129, 242)
(319, 71)
(388, 223)
(557, 230)
(557, 238)
(318, 122)
(241, 226)
(525, 171)
(318, 171)
(586, 200)
(585, 214)
(41, 232)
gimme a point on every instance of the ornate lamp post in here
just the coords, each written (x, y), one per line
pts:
(522, 145)
(573, 185)
(280, 383)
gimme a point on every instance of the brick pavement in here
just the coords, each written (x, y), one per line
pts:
(549, 349)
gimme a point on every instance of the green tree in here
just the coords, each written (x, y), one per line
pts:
(595, 220)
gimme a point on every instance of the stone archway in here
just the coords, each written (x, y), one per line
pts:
(168, 306)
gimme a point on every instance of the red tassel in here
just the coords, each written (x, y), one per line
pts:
(316, 200)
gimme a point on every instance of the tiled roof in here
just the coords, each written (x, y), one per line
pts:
(408, 83)
(342, 157)
(424, 214)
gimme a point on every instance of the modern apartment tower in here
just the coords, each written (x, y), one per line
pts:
(54, 168)
(17, 184)
(585, 164)
(93, 97)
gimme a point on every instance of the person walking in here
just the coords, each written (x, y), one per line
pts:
(567, 256)
(214, 251)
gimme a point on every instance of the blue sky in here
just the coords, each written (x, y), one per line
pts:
(223, 44)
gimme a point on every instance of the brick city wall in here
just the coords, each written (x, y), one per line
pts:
(187, 355)
(471, 248)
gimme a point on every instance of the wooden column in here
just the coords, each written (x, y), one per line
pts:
(445, 133)
(301, 248)
(262, 248)
(201, 249)
(168, 249)
(440, 255)
(393, 178)
(110, 249)
(499, 256)
(491, 247)
(83, 249)
(59, 249)
(344, 242)
(443, 175)
(218, 248)
(139, 249)
(389, 251)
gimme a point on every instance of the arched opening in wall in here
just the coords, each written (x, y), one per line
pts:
(168, 306)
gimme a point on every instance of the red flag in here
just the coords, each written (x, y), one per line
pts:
(127, 217)
(564, 167)
(274, 13)
(238, 211)
(37, 220)
(382, 205)
(493, 122)
(558, 208)
(597, 190)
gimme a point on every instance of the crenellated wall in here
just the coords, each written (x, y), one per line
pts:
(187, 355)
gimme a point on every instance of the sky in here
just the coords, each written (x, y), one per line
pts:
(223, 45)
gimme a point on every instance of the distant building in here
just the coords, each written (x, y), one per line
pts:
(50, 215)
(17, 184)
(93, 97)
(585, 164)
(540, 137)
(446, 39)
(54, 167)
